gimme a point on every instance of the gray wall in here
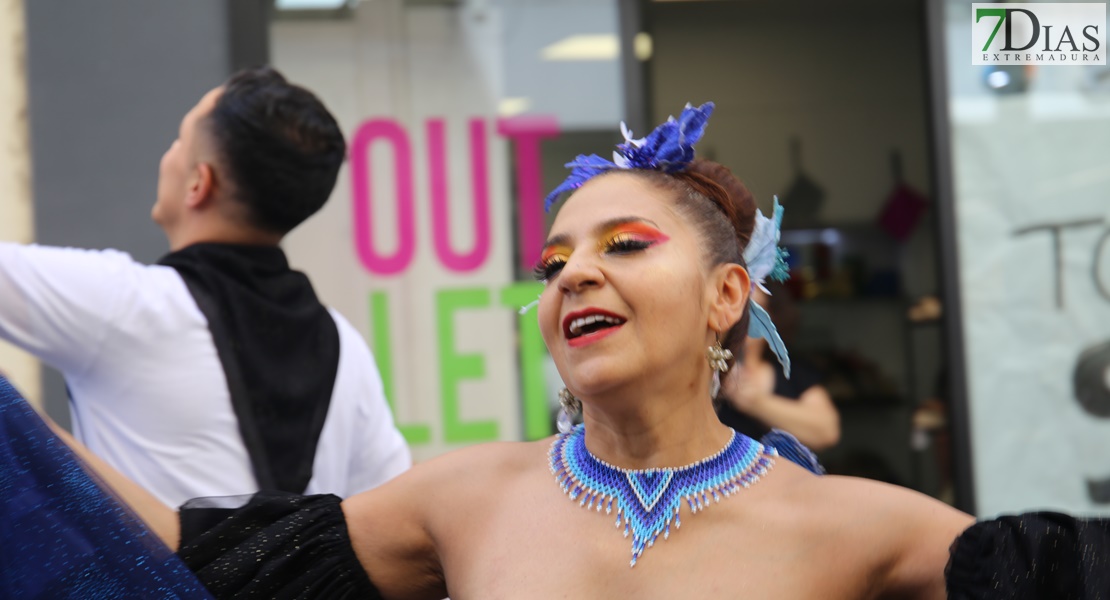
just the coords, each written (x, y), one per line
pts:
(109, 82)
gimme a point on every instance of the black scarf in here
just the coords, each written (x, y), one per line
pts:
(279, 349)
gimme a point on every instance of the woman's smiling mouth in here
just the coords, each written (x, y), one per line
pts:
(590, 325)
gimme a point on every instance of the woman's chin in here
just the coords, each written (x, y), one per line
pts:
(590, 387)
(594, 375)
(599, 388)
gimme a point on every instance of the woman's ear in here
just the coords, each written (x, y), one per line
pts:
(730, 295)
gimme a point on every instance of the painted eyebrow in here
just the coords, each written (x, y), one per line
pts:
(564, 240)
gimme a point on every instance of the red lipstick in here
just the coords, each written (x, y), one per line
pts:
(583, 327)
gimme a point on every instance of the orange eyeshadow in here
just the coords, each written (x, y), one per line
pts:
(641, 231)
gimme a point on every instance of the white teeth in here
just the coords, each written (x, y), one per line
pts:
(577, 324)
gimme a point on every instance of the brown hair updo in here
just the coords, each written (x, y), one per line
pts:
(722, 208)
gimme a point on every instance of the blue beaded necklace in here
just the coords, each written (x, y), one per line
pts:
(647, 501)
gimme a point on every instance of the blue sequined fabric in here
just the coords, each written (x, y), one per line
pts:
(648, 501)
(62, 536)
(788, 447)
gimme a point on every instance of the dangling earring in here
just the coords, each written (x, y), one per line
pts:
(718, 362)
(569, 406)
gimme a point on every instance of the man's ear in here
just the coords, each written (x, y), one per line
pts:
(731, 289)
(202, 187)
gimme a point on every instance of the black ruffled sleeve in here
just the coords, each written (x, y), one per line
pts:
(1034, 556)
(276, 546)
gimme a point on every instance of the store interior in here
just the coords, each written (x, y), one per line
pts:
(826, 107)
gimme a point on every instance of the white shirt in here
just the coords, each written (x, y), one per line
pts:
(149, 392)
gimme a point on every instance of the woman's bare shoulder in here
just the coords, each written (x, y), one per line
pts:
(494, 459)
(486, 466)
(837, 497)
(905, 534)
(874, 495)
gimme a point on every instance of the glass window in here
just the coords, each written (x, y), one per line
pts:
(1031, 174)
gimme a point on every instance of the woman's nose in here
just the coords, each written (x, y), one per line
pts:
(580, 272)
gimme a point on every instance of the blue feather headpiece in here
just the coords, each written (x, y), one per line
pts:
(669, 148)
(766, 259)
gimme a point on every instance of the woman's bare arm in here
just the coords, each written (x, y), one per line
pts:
(926, 537)
(910, 533)
(385, 524)
(161, 519)
(400, 531)
(392, 527)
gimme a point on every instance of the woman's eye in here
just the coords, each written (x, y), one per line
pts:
(546, 269)
(622, 244)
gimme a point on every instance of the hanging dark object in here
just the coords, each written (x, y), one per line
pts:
(904, 205)
(804, 197)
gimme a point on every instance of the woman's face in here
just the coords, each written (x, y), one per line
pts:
(627, 294)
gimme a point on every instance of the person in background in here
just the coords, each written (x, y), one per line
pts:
(217, 371)
(757, 396)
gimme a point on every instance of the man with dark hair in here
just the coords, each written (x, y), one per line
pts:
(216, 372)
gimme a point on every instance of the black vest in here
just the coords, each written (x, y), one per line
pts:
(279, 349)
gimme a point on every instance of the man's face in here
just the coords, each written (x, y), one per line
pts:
(177, 173)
